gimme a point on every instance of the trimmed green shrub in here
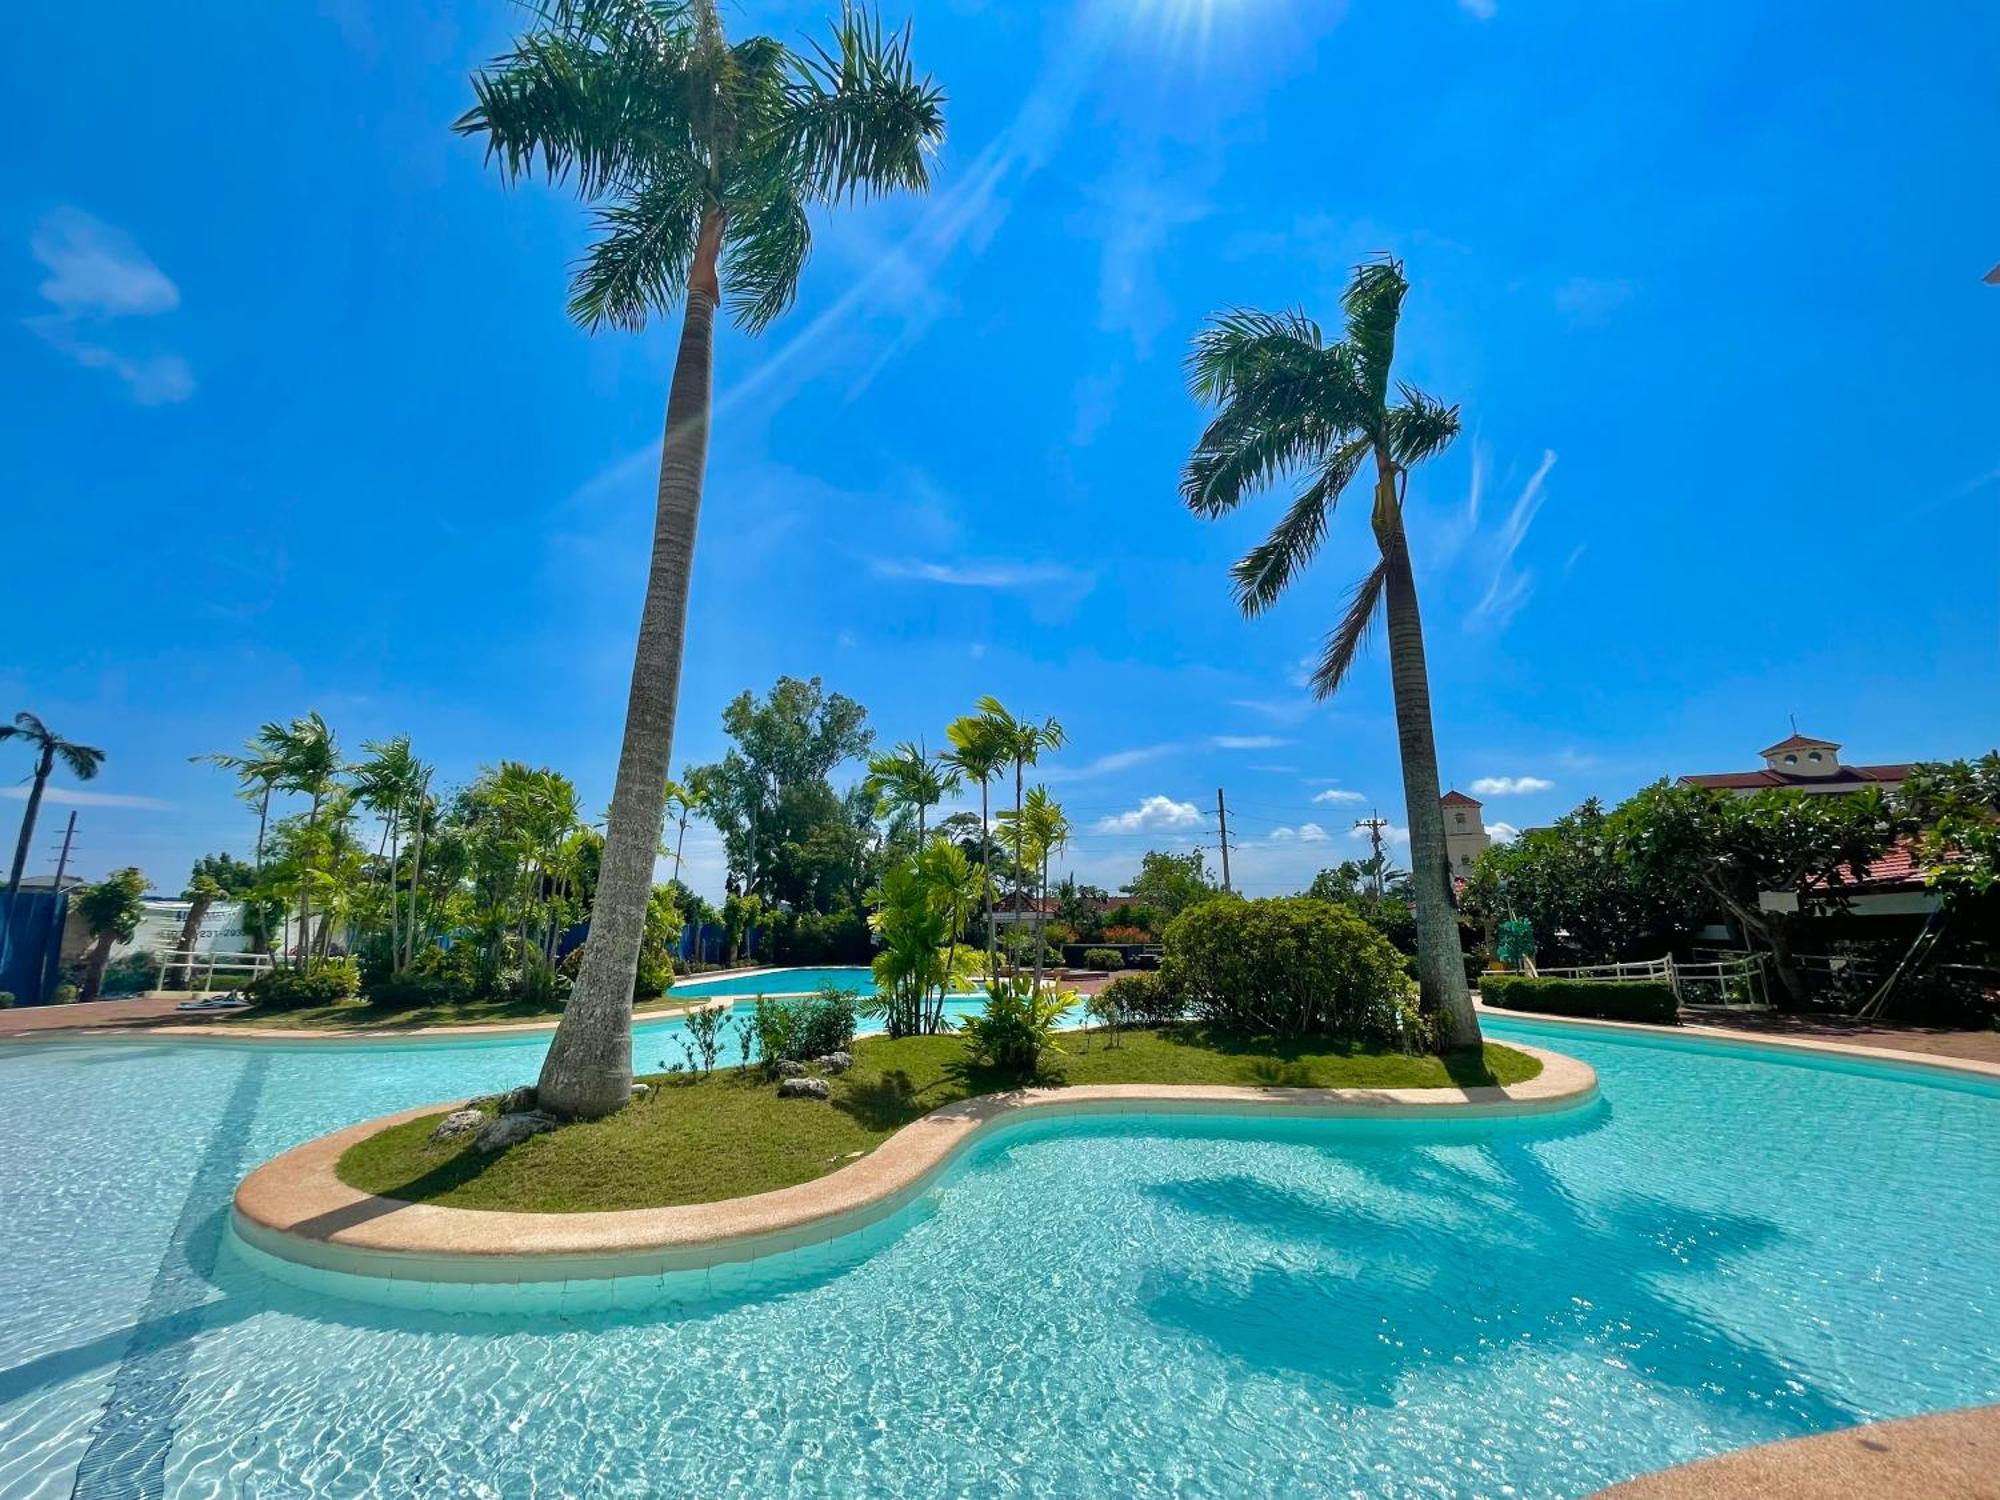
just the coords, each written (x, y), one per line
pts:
(801, 1029)
(1145, 1000)
(1016, 1025)
(1599, 999)
(295, 989)
(65, 994)
(1103, 958)
(1290, 966)
(6, 999)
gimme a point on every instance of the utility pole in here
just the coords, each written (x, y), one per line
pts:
(62, 860)
(1222, 836)
(1374, 823)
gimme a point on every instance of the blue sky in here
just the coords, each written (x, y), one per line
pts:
(296, 419)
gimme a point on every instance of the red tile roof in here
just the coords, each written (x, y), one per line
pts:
(1851, 776)
(1800, 742)
(1899, 869)
(1456, 798)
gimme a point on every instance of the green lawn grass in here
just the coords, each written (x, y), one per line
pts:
(358, 1015)
(697, 1140)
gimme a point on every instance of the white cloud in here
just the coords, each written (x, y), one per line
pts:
(1510, 786)
(1139, 209)
(96, 270)
(1480, 10)
(96, 274)
(1105, 765)
(1334, 794)
(1305, 833)
(77, 797)
(1503, 833)
(975, 574)
(1247, 742)
(1509, 590)
(1152, 814)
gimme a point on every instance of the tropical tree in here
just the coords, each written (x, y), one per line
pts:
(111, 911)
(390, 784)
(49, 747)
(308, 763)
(686, 798)
(703, 159)
(202, 892)
(1290, 403)
(1024, 741)
(908, 781)
(1045, 831)
(978, 753)
(259, 769)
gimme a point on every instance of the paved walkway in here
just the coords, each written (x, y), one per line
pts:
(116, 1015)
(1939, 1041)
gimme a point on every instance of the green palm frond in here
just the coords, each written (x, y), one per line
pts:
(640, 263)
(767, 246)
(1244, 347)
(589, 97)
(82, 760)
(1419, 426)
(1263, 573)
(1344, 643)
(861, 121)
(1372, 303)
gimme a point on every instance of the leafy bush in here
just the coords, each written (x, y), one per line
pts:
(294, 989)
(808, 937)
(1017, 1025)
(1291, 966)
(65, 994)
(1127, 935)
(1145, 1000)
(131, 975)
(407, 991)
(6, 999)
(800, 1029)
(1599, 999)
(1103, 958)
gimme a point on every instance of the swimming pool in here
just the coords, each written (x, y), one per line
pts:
(1732, 1247)
(854, 979)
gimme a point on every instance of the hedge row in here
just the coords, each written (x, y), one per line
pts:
(1598, 999)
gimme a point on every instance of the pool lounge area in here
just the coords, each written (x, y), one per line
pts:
(1705, 1257)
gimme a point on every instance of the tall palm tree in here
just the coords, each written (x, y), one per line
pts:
(388, 784)
(978, 753)
(1046, 829)
(308, 763)
(49, 747)
(258, 770)
(702, 158)
(1288, 402)
(685, 799)
(910, 780)
(1025, 741)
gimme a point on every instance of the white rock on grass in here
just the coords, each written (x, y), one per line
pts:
(787, 1068)
(458, 1123)
(803, 1088)
(836, 1062)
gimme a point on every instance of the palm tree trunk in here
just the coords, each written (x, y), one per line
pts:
(43, 765)
(180, 977)
(588, 1071)
(94, 964)
(986, 883)
(416, 874)
(1440, 968)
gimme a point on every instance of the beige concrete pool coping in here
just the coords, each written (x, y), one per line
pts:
(1951, 1455)
(296, 1207)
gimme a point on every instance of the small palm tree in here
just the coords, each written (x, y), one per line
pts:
(703, 158)
(909, 780)
(389, 784)
(202, 892)
(49, 747)
(308, 763)
(977, 753)
(1289, 402)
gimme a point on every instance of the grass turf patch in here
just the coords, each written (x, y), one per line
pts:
(696, 1140)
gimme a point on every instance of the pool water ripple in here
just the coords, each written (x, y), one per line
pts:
(1730, 1248)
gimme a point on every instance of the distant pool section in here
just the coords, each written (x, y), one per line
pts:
(856, 980)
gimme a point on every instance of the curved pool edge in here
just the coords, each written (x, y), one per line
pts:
(1949, 1455)
(294, 1208)
(1781, 1046)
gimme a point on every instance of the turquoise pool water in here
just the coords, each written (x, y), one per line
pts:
(1729, 1248)
(855, 980)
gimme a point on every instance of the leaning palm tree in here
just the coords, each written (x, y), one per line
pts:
(1288, 402)
(909, 780)
(49, 747)
(702, 158)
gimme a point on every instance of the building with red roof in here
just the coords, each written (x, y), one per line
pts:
(1803, 764)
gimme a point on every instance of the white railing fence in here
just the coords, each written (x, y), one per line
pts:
(1737, 980)
(237, 968)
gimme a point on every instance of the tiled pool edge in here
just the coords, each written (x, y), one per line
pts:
(296, 1209)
